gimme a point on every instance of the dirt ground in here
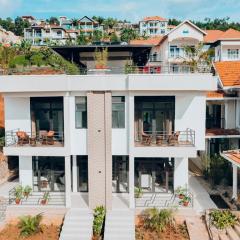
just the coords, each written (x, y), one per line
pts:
(49, 232)
(179, 232)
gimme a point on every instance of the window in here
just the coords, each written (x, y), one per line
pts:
(118, 112)
(81, 112)
(233, 53)
(162, 31)
(174, 51)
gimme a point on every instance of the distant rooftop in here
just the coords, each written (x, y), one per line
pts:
(154, 18)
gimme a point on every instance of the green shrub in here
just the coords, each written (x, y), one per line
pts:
(98, 221)
(222, 219)
(30, 225)
(19, 60)
(37, 59)
(157, 220)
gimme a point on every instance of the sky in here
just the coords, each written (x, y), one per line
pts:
(132, 10)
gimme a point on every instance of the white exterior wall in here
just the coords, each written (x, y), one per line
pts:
(25, 171)
(225, 45)
(190, 112)
(230, 115)
(17, 113)
(180, 172)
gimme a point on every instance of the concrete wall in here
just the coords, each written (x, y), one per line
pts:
(190, 112)
(1, 112)
(230, 114)
(180, 172)
(17, 113)
(25, 171)
(99, 149)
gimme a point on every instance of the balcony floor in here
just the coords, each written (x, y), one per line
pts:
(179, 144)
(38, 144)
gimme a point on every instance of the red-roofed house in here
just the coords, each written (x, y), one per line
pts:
(153, 26)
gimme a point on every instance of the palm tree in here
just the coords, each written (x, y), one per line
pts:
(197, 56)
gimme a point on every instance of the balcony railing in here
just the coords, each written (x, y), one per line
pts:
(165, 139)
(18, 138)
(158, 69)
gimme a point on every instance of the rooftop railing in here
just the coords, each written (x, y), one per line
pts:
(158, 69)
(165, 138)
(18, 138)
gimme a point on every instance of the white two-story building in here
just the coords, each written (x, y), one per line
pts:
(102, 135)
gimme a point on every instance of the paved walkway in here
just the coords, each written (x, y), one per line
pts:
(202, 200)
(7, 186)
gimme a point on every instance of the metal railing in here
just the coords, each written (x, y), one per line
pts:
(158, 69)
(164, 138)
(35, 198)
(39, 138)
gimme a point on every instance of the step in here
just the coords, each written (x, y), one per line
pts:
(237, 229)
(223, 236)
(74, 237)
(232, 234)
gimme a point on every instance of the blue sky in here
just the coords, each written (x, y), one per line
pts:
(122, 9)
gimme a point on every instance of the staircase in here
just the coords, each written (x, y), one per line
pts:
(77, 225)
(119, 225)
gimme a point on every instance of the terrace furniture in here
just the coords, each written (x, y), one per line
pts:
(173, 139)
(33, 141)
(50, 140)
(23, 138)
(146, 139)
(159, 139)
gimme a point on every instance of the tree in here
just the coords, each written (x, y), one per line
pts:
(109, 23)
(82, 39)
(98, 19)
(97, 36)
(128, 34)
(197, 57)
(114, 38)
(75, 22)
(7, 54)
(20, 24)
(53, 21)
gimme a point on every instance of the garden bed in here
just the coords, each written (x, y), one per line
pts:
(12, 232)
(171, 230)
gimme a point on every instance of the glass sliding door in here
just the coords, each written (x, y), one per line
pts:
(82, 165)
(154, 115)
(49, 174)
(47, 114)
(120, 168)
(154, 175)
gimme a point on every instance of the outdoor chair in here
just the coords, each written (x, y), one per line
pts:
(23, 138)
(159, 139)
(146, 139)
(50, 140)
(173, 139)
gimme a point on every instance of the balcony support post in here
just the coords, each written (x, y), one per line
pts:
(235, 180)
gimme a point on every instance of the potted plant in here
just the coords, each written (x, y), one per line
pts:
(26, 191)
(185, 201)
(18, 192)
(138, 192)
(181, 192)
(45, 198)
(101, 58)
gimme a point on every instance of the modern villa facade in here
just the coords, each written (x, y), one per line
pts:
(111, 132)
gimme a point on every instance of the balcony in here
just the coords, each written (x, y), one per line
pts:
(18, 138)
(166, 139)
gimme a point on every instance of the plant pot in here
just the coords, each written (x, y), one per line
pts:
(17, 201)
(185, 204)
(100, 67)
(26, 194)
(181, 196)
(43, 201)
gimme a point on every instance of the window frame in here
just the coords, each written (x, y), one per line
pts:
(76, 127)
(124, 111)
(233, 54)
